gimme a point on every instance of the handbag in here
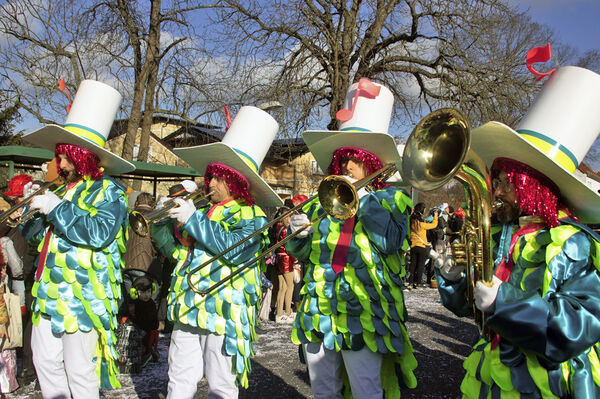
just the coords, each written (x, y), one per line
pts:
(15, 323)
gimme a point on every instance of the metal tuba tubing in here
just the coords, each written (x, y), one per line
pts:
(437, 151)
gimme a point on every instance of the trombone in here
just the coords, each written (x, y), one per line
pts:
(140, 223)
(5, 216)
(339, 199)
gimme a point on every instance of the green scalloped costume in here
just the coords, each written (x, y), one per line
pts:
(548, 318)
(230, 310)
(79, 285)
(364, 303)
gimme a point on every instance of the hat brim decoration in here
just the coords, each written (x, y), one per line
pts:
(88, 124)
(199, 157)
(553, 137)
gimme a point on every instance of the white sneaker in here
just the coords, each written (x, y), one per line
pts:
(291, 318)
(283, 319)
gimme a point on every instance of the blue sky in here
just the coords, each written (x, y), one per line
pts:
(574, 21)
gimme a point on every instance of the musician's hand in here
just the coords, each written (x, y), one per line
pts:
(446, 266)
(297, 221)
(161, 202)
(485, 296)
(46, 202)
(450, 272)
(184, 211)
(30, 188)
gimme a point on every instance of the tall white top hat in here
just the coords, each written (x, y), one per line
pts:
(554, 136)
(243, 148)
(88, 125)
(365, 123)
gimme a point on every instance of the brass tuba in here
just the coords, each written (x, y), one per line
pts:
(437, 150)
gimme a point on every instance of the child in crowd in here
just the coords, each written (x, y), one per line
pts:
(144, 314)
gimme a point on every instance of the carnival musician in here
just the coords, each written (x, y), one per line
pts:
(351, 320)
(213, 335)
(82, 233)
(543, 307)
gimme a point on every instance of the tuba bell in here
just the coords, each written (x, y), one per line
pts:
(438, 150)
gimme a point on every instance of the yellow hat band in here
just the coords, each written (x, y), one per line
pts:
(247, 159)
(553, 149)
(87, 133)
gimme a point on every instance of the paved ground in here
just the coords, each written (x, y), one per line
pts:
(440, 339)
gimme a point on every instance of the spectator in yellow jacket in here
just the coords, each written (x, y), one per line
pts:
(419, 248)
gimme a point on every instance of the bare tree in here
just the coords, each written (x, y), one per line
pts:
(468, 54)
(118, 41)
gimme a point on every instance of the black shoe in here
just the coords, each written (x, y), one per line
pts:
(26, 377)
(414, 286)
(145, 359)
(154, 356)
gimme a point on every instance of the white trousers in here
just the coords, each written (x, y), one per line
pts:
(195, 353)
(65, 362)
(325, 369)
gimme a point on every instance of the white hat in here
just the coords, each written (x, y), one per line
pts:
(554, 136)
(88, 125)
(366, 129)
(243, 148)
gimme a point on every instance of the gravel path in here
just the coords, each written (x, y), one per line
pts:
(441, 341)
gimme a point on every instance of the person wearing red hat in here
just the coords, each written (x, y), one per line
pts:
(22, 281)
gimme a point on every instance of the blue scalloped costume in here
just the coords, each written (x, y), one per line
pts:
(80, 282)
(548, 317)
(230, 310)
(364, 303)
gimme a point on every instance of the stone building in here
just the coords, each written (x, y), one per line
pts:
(289, 167)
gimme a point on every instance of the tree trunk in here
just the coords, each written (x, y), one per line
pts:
(151, 65)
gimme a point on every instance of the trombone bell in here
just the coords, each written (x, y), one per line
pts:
(338, 197)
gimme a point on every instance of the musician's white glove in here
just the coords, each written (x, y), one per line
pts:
(485, 297)
(362, 192)
(45, 203)
(184, 211)
(18, 287)
(298, 220)
(447, 268)
(161, 202)
(30, 188)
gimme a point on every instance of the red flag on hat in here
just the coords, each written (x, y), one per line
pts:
(63, 87)
(365, 88)
(227, 117)
(539, 54)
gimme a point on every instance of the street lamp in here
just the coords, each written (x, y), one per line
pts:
(269, 105)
